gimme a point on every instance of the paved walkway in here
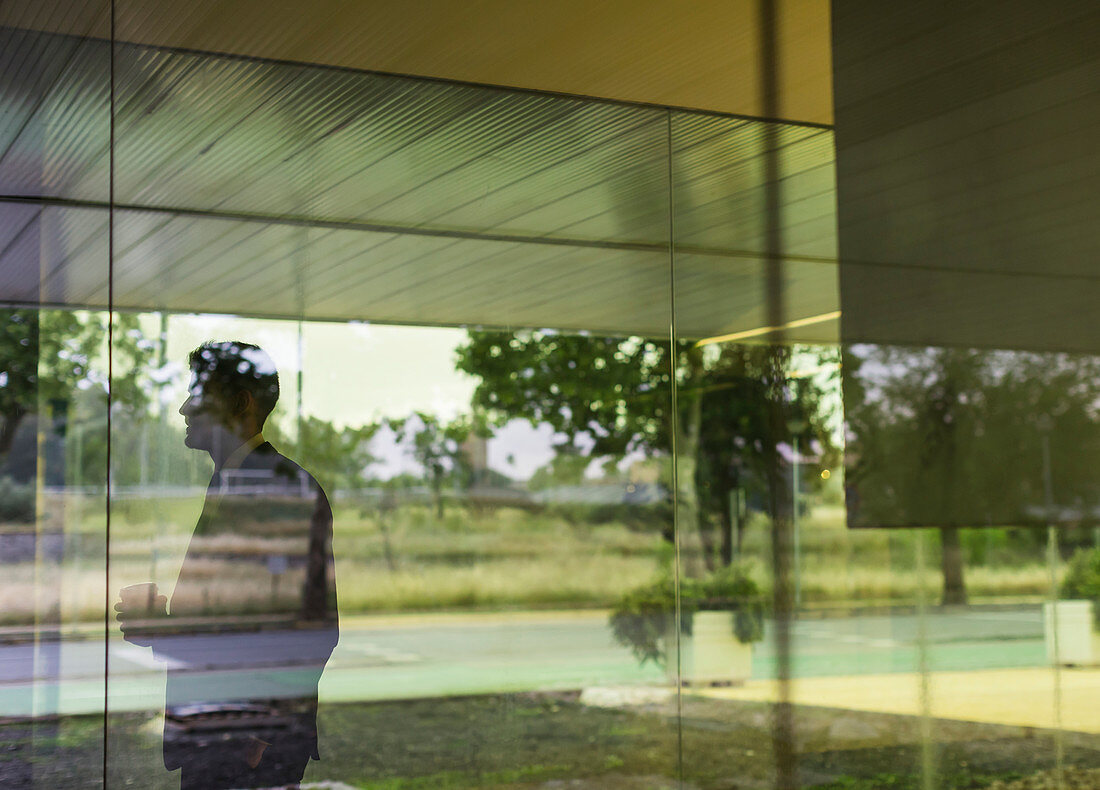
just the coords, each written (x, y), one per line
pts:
(1021, 697)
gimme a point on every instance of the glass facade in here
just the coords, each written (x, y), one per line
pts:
(372, 431)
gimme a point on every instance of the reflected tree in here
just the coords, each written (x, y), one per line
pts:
(953, 438)
(738, 441)
(616, 392)
(57, 358)
(337, 456)
(438, 446)
(44, 356)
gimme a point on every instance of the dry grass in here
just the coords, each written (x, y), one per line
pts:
(68, 596)
(469, 559)
(582, 579)
(885, 584)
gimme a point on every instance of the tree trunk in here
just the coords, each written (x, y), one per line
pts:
(731, 516)
(9, 424)
(739, 513)
(687, 510)
(687, 464)
(726, 521)
(706, 541)
(437, 494)
(954, 585)
(385, 508)
(945, 413)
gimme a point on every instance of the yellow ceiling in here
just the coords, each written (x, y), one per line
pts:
(702, 54)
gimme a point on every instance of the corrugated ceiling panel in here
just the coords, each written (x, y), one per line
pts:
(289, 190)
(703, 55)
(968, 198)
(19, 265)
(54, 127)
(726, 296)
(279, 140)
(283, 270)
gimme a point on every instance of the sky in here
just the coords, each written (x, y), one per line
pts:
(356, 373)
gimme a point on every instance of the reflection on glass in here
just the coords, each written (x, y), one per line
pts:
(477, 549)
(53, 396)
(52, 467)
(959, 437)
(241, 708)
(573, 547)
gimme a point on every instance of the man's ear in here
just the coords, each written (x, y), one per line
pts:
(243, 402)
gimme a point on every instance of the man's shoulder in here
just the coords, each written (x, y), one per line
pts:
(267, 457)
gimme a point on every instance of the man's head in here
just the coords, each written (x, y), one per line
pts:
(234, 386)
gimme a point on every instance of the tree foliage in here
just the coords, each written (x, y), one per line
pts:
(438, 447)
(44, 356)
(615, 391)
(733, 405)
(57, 359)
(643, 619)
(1082, 579)
(955, 438)
(336, 456)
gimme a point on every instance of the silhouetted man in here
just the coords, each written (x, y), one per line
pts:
(241, 700)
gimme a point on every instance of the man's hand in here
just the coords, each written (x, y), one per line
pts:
(137, 605)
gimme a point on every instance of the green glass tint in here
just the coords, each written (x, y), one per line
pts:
(423, 434)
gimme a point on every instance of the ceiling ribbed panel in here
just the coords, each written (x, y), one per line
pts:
(19, 245)
(264, 188)
(349, 274)
(703, 55)
(281, 140)
(721, 185)
(726, 296)
(968, 191)
(719, 195)
(54, 127)
(74, 255)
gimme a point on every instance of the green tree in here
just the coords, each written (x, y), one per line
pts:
(567, 467)
(57, 357)
(438, 447)
(954, 438)
(736, 441)
(337, 457)
(733, 406)
(911, 432)
(44, 356)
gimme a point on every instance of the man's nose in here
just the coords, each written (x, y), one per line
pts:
(185, 407)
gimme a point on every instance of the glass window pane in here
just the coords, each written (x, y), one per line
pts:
(54, 387)
(761, 522)
(466, 295)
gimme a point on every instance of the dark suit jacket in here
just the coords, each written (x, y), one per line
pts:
(262, 550)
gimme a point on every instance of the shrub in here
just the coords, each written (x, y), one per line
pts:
(16, 502)
(1082, 579)
(644, 616)
(648, 517)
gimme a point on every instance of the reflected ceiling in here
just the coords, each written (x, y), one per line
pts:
(968, 173)
(703, 55)
(263, 188)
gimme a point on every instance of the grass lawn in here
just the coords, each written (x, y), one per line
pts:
(529, 741)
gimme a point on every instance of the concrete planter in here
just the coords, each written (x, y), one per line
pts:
(710, 653)
(1074, 623)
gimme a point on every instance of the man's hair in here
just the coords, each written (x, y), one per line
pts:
(228, 367)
